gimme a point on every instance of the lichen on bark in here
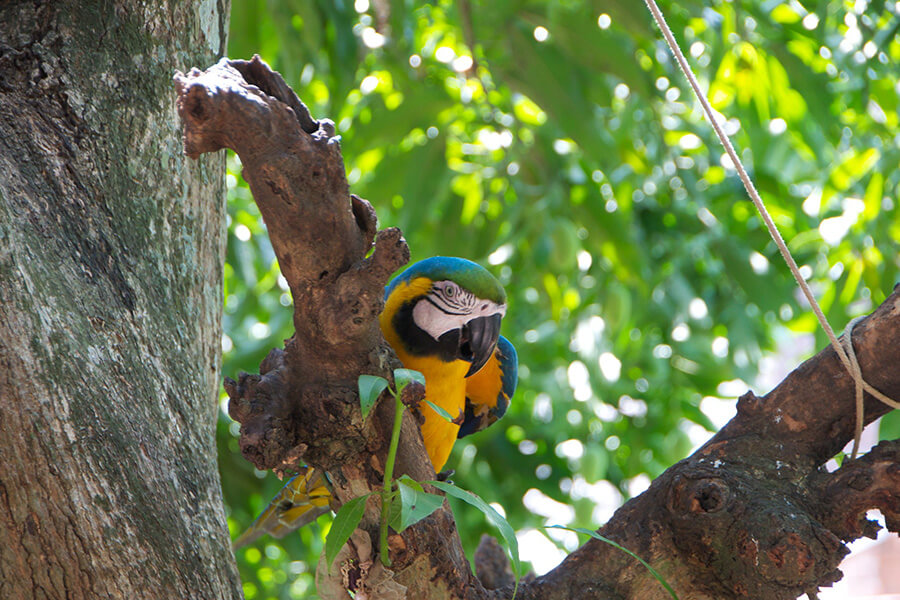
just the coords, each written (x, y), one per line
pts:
(111, 249)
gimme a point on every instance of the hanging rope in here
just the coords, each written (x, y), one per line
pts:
(848, 356)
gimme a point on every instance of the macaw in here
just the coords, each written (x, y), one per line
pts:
(442, 318)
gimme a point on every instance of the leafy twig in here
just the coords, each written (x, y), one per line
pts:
(606, 540)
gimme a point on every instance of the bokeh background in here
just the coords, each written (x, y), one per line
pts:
(557, 144)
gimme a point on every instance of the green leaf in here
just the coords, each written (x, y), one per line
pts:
(345, 523)
(370, 387)
(492, 515)
(415, 503)
(853, 167)
(889, 428)
(785, 15)
(447, 416)
(597, 536)
(874, 194)
(395, 515)
(403, 377)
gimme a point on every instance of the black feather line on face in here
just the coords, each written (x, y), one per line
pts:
(442, 309)
(418, 342)
(453, 296)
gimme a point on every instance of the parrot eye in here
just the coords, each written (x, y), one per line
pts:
(450, 298)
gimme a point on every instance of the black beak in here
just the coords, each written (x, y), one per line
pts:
(477, 341)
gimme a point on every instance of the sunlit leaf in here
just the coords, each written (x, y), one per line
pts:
(853, 167)
(874, 195)
(784, 14)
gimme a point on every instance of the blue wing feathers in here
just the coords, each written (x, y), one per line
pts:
(509, 367)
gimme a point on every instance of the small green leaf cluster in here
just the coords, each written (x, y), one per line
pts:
(414, 502)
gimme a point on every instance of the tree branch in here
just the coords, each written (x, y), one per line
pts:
(304, 404)
(872, 481)
(750, 514)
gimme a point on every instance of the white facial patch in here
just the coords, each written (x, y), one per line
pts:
(447, 307)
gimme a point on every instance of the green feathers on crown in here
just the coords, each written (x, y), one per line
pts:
(465, 273)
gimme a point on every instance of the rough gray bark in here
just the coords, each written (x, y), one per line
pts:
(111, 250)
(749, 515)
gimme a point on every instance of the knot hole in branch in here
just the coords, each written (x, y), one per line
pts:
(697, 496)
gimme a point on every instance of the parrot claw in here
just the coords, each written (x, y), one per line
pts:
(446, 475)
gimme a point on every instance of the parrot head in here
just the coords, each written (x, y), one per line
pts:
(450, 307)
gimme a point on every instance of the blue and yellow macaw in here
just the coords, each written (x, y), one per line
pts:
(442, 317)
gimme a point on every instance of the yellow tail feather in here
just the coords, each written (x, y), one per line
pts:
(302, 500)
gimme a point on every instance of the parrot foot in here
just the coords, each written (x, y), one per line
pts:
(446, 475)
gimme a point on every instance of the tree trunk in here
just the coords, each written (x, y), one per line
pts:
(111, 250)
(749, 515)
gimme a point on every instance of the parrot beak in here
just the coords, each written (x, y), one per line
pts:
(477, 341)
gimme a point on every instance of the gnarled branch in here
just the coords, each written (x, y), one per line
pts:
(304, 404)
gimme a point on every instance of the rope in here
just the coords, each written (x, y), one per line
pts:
(847, 340)
(848, 357)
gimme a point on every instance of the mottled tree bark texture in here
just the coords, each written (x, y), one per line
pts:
(752, 514)
(111, 250)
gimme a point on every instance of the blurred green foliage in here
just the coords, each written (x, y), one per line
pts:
(557, 143)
